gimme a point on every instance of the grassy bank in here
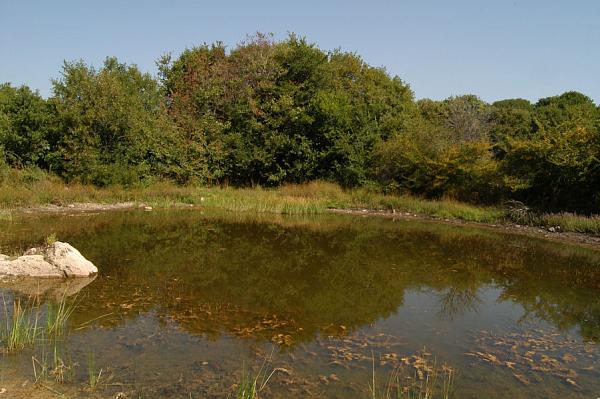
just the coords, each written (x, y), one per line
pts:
(23, 191)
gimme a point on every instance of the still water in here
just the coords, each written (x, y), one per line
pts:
(188, 302)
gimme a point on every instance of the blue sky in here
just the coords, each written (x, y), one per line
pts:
(493, 48)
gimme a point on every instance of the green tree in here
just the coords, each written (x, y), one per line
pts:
(557, 166)
(111, 126)
(24, 124)
(446, 152)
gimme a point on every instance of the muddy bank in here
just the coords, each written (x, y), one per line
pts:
(580, 239)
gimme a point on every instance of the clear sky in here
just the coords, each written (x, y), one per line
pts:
(493, 48)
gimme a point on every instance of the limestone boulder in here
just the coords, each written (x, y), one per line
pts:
(69, 260)
(29, 265)
(56, 260)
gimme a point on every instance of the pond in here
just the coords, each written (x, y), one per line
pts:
(190, 304)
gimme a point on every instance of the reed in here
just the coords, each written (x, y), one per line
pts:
(94, 374)
(59, 368)
(252, 384)
(20, 329)
(427, 381)
(57, 316)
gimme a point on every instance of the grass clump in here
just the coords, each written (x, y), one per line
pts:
(426, 381)
(252, 384)
(94, 374)
(61, 369)
(22, 325)
(20, 328)
(57, 316)
(572, 222)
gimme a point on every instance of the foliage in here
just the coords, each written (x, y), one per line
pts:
(446, 153)
(271, 113)
(111, 127)
(557, 164)
(268, 113)
(24, 123)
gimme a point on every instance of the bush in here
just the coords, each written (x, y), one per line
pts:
(426, 163)
(4, 168)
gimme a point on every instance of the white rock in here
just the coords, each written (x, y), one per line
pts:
(30, 265)
(32, 251)
(69, 260)
(57, 260)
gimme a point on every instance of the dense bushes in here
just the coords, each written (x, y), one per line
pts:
(111, 126)
(546, 154)
(557, 162)
(25, 120)
(446, 152)
(270, 113)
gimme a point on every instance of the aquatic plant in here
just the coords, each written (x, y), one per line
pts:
(59, 368)
(252, 384)
(57, 316)
(94, 374)
(20, 328)
(427, 381)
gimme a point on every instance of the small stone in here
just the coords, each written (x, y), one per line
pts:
(147, 208)
(31, 251)
(552, 230)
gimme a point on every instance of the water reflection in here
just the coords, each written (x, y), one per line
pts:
(299, 282)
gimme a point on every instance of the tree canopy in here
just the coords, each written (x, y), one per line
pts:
(269, 112)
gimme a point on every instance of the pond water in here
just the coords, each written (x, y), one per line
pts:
(187, 302)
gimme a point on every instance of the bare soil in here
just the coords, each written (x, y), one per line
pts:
(580, 239)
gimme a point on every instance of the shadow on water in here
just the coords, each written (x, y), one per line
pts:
(327, 293)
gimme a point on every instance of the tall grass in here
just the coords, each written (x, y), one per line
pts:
(94, 374)
(572, 222)
(311, 198)
(57, 316)
(20, 328)
(252, 384)
(22, 325)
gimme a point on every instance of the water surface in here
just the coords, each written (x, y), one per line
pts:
(187, 301)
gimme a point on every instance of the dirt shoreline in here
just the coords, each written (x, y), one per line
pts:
(580, 239)
(584, 240)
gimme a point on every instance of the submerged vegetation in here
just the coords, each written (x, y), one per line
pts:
(423, 380)
(272, 113)
(196, 282)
